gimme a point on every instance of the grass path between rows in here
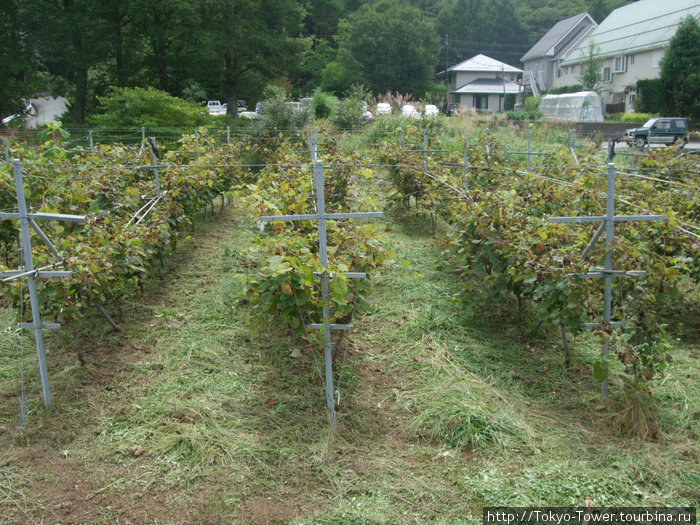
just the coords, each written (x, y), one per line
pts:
(185, 416)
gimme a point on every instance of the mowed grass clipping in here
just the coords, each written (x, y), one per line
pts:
(446, 406)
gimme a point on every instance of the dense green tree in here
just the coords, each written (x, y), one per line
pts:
(70, 40)
(680, 70)
(16, 57)
(171, 30)
(393, 44)
(322, 16)
(254, 40)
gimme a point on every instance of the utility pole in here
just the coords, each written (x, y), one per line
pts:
(447, 46)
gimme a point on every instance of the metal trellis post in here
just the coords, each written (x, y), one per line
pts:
(155, 166)
(571, 146)
(7, 149)
(27, 221)
(466, 165)
(322, 217)
(607, 273)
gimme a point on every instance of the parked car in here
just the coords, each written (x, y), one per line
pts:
(431, 110)
(452, 109)
(366, 113)
(408, 111)
(663, 130)
(242, 106)
(383, 108)
(216, 108)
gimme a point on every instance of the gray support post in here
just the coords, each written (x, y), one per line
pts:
(529, 150)
(322, 217)
(633, 153)
(27, 220)
(228, 135)
(90, 142)
(313, 148)
(466, 165)
(155, 163)
(325, 288)
(571, 146)
(488, 149)
(608, 225)
(425, 151)
(400, 138)
(31, 282)
(607, 279)
(7, 149)
(143, 134)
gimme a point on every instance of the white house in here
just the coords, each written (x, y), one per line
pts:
(541, 62)
(482, 83)
(631, 42)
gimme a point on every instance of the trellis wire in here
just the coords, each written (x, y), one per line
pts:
(607, 273)
(27, 221)
(321, 216)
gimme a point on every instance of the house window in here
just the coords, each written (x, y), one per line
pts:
(656, 57)
(620, 64)
(631, 60)
(573, 69)
(481, 101)
(558, 72)
(566, 70)
(607, 74)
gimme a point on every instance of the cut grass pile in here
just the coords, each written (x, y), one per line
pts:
(446, 406)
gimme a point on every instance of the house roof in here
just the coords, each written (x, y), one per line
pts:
(545, 45)
(640, 26)
(482, 63)
(489, 86)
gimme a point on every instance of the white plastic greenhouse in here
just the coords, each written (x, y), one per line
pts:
(584, 105)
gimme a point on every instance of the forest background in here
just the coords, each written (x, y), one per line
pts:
(231, 49)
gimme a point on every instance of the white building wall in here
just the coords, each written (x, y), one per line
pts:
(637, 66)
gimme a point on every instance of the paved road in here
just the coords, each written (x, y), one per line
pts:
(691, 146)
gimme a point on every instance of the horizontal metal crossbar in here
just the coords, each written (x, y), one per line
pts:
(617, 218)
(9, 276)
(526, 153)
(427, 150)
(49, 216)
(44, 326)
(328, 216)
(615, 324)
(613, 273)
(333, 326)
(349, 275)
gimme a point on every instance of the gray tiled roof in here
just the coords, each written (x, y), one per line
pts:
(482, 63)
(552, 37)
(641, 26)
(489, 85)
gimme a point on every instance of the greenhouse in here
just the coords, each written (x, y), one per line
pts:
(581, 106)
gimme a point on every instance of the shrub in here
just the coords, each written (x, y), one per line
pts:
(323, 104)
(650, 96)
(279, 112)
(635, 117)
(136, 107)
(348, 113)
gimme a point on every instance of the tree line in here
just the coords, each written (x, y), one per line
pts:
(231, 49)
